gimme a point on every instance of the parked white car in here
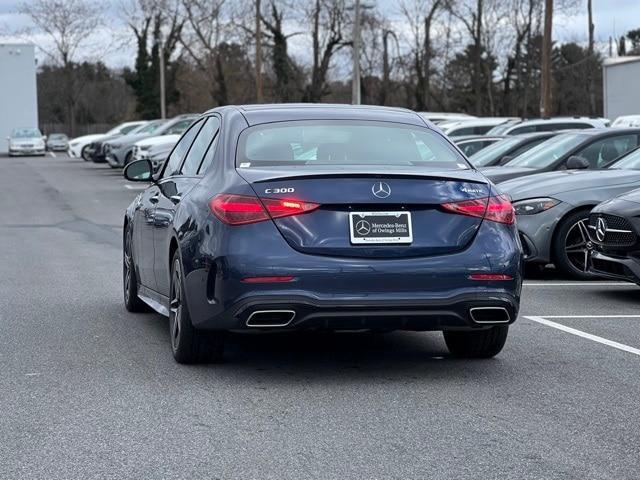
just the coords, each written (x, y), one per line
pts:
(439, 117)
(78, 145)
(555, 124)
(627, 121)
(477, 126)
(26, 141)
(142, 148)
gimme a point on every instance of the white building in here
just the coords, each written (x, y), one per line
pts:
(621, 77)
(18, 92)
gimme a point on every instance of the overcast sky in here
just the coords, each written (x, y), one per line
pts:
(611, 18)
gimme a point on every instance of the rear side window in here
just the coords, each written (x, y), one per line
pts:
(346, 143)
(200, 145)
(182, 147)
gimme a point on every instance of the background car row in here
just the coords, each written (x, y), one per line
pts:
(555, 170)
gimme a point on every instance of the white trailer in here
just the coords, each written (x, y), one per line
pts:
(621, 77)
(18, 91)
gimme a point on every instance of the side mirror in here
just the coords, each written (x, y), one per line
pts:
(577, 163)
(504, 160)
(139, 171)
(44, 138)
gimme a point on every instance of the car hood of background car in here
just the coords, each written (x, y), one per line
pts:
(158, 140)
(549, 184)
(501, 174)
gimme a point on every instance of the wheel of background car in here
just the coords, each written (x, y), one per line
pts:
(129, 278)
(571, 244)
(189, 345)
(84, 154)
(127, 158)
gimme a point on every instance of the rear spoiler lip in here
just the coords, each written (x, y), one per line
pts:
(261, 175)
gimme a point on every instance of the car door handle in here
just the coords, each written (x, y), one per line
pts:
(175, 198)
(154, 199)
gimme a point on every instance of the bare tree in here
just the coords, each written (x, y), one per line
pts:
(327, 19)
(201, 40)
(67, 25)
(420, 15)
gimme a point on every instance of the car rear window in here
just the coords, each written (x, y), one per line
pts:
(349, 143)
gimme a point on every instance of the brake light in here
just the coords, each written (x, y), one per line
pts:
(242, 209)
(496, 209)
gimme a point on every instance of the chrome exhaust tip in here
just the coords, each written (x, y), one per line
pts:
(270, 318)
(489, 315)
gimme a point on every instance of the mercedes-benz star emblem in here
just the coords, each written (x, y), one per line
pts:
(381, 190)
(363, 227)
(601, 229)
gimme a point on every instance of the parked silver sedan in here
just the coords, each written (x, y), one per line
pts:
(553, 208)
(57, 142)
(26, 141)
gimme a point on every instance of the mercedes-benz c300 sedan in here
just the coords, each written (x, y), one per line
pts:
(291, 217)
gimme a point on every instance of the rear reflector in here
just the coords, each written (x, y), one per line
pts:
(496, 209)
(490, 277)
(242, 209)
(273, 279)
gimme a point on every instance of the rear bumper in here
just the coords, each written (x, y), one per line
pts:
(614, 267)
(417, 314)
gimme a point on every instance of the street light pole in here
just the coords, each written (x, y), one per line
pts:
(355, 83)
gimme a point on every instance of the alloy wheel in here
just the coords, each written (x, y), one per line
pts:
(175, 307)
(577, 245)
(127, 266)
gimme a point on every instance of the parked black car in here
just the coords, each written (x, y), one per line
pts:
(614, 229)
(592, 148)
(502, 152)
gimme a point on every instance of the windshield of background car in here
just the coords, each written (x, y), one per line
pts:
(345, 143)
(179, 127)
(502, 128)
(630, 161)
(546, 153)
(58, 136)
(26, 133)
(488, 154)
(150, 127)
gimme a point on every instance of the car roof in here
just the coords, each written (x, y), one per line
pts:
(267, 113)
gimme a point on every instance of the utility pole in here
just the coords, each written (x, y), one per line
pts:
(545, 79)
(259, 95)
(163, 105)
(355, 83)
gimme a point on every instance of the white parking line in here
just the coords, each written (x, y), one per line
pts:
(135, 187)
(53, 154)
(590, 316)
(579, 284)
(588, 336)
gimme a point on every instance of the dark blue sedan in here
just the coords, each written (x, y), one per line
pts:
(320, 217)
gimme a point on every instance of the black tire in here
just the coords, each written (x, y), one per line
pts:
(127, 159)
(84, 154)
(571, 244)
(476, 343)
(129, 278)
(188, 344)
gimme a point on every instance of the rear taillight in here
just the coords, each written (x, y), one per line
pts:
(496, 209)
(242, 209)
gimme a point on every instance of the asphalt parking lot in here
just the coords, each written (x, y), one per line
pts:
(91, 391)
